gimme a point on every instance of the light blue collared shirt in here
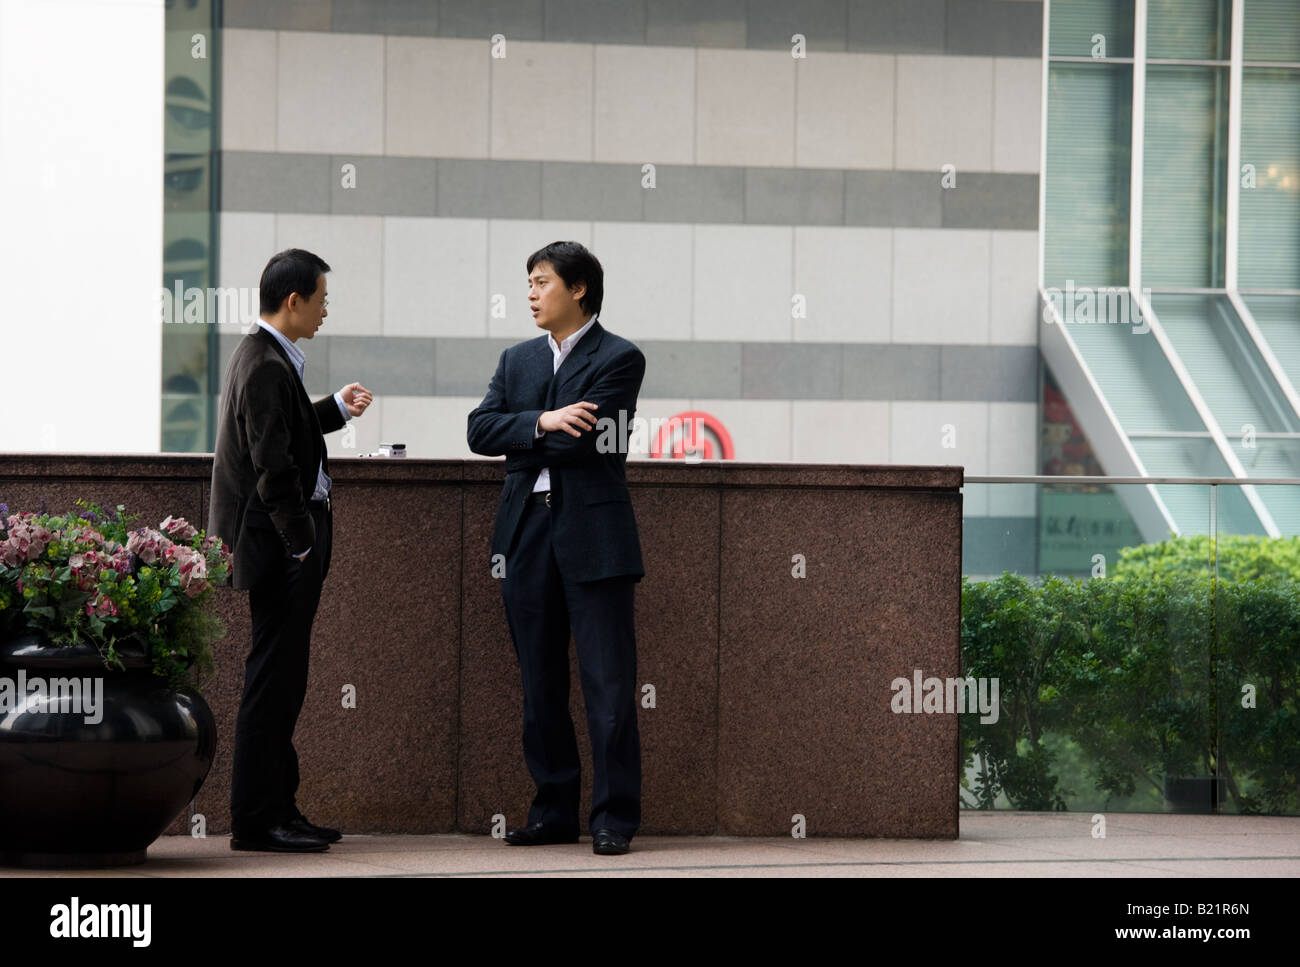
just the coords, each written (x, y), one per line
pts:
(299, 361)
(559, 353)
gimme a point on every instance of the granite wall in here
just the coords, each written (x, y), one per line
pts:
(765, 695)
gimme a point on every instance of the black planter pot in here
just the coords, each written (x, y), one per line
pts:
(76, 792)
(1199, 794)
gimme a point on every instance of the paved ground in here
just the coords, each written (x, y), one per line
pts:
(991, 845)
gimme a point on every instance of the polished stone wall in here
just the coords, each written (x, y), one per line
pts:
(771, 692)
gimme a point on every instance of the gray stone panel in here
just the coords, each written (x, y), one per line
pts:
(385, 186)
(257, 181)
(898, 199)
(1003, 374)
(277, 14)
(317, 378)
(706, 195)
(387, 365)
(1001, 28)
(430, 366)
(794, 196)
(415, 18)
(696, 23)
(516, 19)
(980, 28)
(824, 23)
(686, 369)
(594, 22)
(464, 367)
(596, 192)
(991, 200)
(489, 189)
(891, 372)
(896, 26)
(806, 371)
(698, 194)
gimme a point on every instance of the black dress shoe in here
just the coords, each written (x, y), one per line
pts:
(285, 838)
(542, 834)
(606, 842)
(304, 824)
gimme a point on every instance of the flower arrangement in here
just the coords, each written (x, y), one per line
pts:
(91, 577)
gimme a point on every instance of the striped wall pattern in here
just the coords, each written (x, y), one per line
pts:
(794, 263)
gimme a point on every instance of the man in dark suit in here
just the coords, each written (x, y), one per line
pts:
(567, 537)
(271, 506)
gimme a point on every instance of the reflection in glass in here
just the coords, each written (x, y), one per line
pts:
(1089, 123)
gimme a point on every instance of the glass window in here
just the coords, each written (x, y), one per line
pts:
(1184, 162)
(1089, 123)
(189, 227)
(1188, 29)
(1272, 30)
(1091, 28)
(1269, 227)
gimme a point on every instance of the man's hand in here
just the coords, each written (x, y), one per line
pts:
(356, 398)
(572, 419)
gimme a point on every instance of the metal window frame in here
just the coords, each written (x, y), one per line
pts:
(1232, 240)
(1137, 141)
(1042, 145)
(1204, 413)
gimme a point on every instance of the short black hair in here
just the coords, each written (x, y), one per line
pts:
(293, 270)
(574, 265)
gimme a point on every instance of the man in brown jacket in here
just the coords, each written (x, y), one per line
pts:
(271, 506)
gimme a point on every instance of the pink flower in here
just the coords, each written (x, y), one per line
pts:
(178, 529)
(191, 567)
(87, 535)
(26, 541)
(148, 545)
(101, 605)
(194, 576)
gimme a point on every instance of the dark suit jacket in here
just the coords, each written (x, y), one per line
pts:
(593, 529)
(270, 445)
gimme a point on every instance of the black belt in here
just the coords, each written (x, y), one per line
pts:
(540, 497)
(324, 505)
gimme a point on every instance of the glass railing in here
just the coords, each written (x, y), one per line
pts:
(1137, 670)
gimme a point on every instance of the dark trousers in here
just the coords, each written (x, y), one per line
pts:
(283, 605)
(541, 608)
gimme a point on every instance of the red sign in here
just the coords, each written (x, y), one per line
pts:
(693, 433)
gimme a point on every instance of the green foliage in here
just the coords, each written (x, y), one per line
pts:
(1018, 633)
(1140, 676)
(1239, 558)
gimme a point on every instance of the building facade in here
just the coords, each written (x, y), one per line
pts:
(825, 223)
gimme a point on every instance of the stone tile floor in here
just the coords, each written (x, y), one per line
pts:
(991, 845)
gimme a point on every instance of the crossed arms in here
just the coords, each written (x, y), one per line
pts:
(494, 430)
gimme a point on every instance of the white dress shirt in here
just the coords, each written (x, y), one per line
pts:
(559, 353)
